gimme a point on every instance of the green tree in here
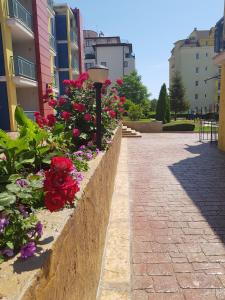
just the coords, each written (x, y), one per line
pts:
(177, 96)
(135, 112)
(133, 88)
(153, 104)
(163, 106)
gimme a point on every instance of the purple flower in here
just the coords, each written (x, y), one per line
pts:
(3, 223)
(8, 252)
(82, 147)
(79, 158)
(90, 144)
(79, 153)
(23, 211)
(22, 183)
(28, 250)
(39, 229)
(97, 151)
(79, 177)
(89, 155)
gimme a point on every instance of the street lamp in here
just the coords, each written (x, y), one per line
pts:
(98, 74)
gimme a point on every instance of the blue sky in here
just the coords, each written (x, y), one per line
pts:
(152, 26)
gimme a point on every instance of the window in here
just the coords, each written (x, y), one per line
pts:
(196, 96)
(196, 83)
(206, 68)
(125, 64)
(206, 54)
(103, 63)
(197, 55)
(89, 65)
(89, 43)
(206, 43)
(205, 96)
(197, 70)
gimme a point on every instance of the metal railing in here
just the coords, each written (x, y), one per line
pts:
(23, 67)
(208, 131)
(73, 36)
(16, 10)
(52, 42)
(75, 64)
(54, 79)
(50, 4)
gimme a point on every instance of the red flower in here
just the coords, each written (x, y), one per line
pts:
(54, 201)
(62, 101)
(66, 82)
(61, 164)
(79, 107)
(106, 108)
(87, 117)
(122, 99)
(71, 192)
(76, 83)
(66, 115)
(37, 114)
(49, 90)
(51, 120)
(112, 114)
(76, 132)
(52, 102)
(119, 81)
(107, 82)
(116, 97)
(122, 110)
(83, 77)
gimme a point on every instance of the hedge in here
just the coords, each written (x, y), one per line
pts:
(179, 127)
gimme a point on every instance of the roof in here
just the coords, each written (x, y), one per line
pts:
(115, 45)
(202, 34)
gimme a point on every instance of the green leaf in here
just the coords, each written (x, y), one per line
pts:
(13, 188)
(6, 199)
(23, 195)
(14, 177)
(59, 128)
(10, 245)
(1, 259)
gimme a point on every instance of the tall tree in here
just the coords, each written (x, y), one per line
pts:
(177, 96)
(163, 106)
(133, 88)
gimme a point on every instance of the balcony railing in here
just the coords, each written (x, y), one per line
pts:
(52, 42)
(54, 77)
(16, 10)
(50, 4)
(75, 65)
(23, 67)
(73, 36)
(89, 56)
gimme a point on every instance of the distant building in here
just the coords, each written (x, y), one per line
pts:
(109, 51)
(192, 58)
(219, 59)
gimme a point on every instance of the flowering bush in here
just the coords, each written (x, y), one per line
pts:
(42, 167)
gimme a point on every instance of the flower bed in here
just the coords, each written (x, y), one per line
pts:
(43, 166)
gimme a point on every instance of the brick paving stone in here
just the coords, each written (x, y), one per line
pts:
(177, 218)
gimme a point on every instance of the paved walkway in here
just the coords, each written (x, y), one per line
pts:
(177, 188)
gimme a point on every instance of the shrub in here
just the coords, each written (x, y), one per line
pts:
(179, 127)
(134, 112)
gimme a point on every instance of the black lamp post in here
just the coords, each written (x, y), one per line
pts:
(98, 74)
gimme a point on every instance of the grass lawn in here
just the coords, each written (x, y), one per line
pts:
(196, 123)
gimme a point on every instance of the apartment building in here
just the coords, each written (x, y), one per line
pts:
(40, 44)
(219, 60)
(192, 58)
(109, 51)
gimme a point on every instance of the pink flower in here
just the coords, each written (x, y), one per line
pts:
(52, 102)
(62, 101)
(76, 132)
(87, 117)
(119, 81)
(122, 99)
(66, 115)
(112, 114)
(83, 77)
(49, 90)
(76, 83)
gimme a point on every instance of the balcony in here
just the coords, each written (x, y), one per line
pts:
(24, 72)
(89, 56)
(52, 43)
(73, 39)
(130, 55)
(20, 20)
(50, 5)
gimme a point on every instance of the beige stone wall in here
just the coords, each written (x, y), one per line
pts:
(151, 127)
(221, 142)
(69, 264)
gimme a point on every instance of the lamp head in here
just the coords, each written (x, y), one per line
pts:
(98, 73)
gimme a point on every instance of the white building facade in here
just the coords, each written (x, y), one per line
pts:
(192, 60)
(109, 51)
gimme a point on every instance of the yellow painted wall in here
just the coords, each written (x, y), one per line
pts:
(8, 53)
(221, 143)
